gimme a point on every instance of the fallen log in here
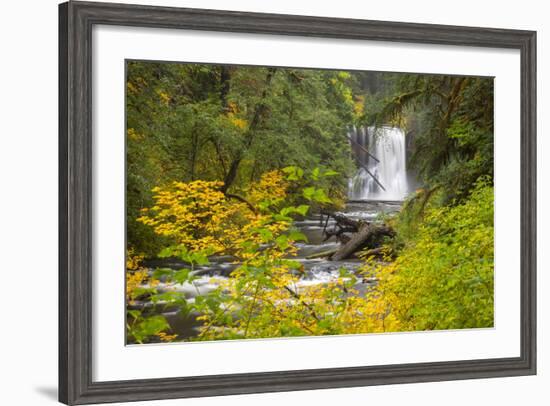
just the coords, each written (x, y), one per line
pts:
(323, 254)
(342, 220)
(368, 235)
(343, 227)
(340, 233)
(354, 235)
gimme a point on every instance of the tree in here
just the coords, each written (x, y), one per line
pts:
(451, 121)
(231, 124)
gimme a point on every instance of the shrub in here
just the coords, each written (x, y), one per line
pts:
(443, 276)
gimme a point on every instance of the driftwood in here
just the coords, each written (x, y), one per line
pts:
(343, 220)
(354, 235)
(322, 254)
(367, 235)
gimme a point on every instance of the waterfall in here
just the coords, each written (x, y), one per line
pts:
(387, 144)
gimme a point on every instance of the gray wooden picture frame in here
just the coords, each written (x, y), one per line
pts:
(76, 20)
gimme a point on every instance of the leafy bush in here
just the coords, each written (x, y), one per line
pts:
(443, 276)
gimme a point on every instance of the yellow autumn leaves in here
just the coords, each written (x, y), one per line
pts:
(234, 117)
(198, 216)
(444, 276)
(441, 278)
(264, 291)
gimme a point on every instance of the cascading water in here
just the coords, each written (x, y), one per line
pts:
(387, 144)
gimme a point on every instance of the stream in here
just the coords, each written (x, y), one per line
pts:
(317, 271)
(379, 152)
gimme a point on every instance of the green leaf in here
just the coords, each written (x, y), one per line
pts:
(169, 297)
(309, 192)
(134, 313)
(182, 276)
(292, 264)
(293, 172)
(302, 209)
(264, 205)
(165, 252)
(330, 172)
(200, 258)
(162, 272)
(153, 325)
(280, 217)
(315, 173)
(289, 169)
(343, 272)
(296, 235)
(199, 301)
(139, 291)
(321, 197)
(212, 303)
(282, 242)
(285, 211)
(265, 234)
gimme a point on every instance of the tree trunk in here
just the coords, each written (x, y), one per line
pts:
(225, 84)
(250, 134)
(368, 235)
(322, 254)
(342, 219)
(356, 242)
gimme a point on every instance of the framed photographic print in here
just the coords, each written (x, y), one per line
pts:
(257, 202)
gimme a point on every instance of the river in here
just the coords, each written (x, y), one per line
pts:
(379, 152)
(317, 271)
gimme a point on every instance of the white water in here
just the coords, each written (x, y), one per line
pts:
(387, 144)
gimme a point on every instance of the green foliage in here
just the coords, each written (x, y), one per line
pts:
(145, 325)
(141, 328)
(450, 122)
(443, 277)
(190, 121)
